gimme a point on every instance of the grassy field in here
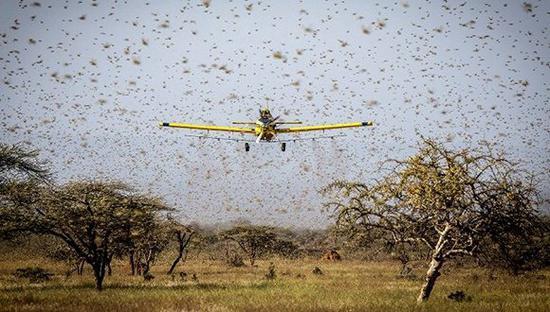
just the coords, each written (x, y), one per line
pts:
(344, 286)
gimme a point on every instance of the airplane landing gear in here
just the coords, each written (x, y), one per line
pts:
(246, 147)
(283, 146)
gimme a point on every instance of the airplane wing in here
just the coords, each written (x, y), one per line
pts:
(207, 127)
(325, 127)
(264, 142)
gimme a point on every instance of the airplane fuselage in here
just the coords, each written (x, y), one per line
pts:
(264, 129)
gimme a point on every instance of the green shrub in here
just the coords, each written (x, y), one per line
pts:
(34, 274)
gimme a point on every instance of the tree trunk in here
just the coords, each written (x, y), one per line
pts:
(431, 276)
(80, 267)
(132, 263)
(138, 262)
(182, 241)
(139, 267)
(148, 261)
(178, 258)
(146, 267)
(99, 274)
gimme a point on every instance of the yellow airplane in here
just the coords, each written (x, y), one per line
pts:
(265, 129)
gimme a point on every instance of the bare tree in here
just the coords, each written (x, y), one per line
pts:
(183, 236)
(448, 201)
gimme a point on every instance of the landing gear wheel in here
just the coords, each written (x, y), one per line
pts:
(246, 147)
(283, 146)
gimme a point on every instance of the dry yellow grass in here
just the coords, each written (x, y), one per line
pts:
(344, 286)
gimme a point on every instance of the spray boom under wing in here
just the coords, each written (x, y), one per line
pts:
(244, 122)
(288, 122)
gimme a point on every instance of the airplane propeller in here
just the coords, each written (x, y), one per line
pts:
(267, 124)
(274, 120)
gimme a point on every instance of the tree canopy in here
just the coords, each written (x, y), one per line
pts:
(17, 164)
(253, 240)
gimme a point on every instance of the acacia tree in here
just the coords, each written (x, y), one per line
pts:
(448, 201)
(518, 251)
(148, 241)
(253, 240)
(90, 217)
(18, 164)
(18, 167)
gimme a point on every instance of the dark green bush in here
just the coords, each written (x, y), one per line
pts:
(33, 274)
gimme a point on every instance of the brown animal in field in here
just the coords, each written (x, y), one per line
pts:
(331, 255)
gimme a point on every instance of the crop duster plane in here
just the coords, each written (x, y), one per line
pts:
(266, 129)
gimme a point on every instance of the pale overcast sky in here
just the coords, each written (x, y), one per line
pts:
(87, 82)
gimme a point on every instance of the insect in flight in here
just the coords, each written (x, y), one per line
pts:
(266, 129)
